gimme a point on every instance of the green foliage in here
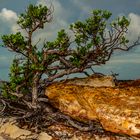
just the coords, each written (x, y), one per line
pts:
(33, 16)
(90, 36)
(18, 77)
(61, 43)
(6, 93)
(92, 27)
(123, 21)
(15, 42)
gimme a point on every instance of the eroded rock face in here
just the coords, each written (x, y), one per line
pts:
(117, 109)
(93, 81)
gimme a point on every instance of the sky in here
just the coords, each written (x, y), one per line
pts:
(126, 64)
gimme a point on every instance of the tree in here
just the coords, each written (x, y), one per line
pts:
(93, 43)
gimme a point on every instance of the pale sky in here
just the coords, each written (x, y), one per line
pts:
(126, 64)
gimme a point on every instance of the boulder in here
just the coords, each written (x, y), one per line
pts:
(117, 109)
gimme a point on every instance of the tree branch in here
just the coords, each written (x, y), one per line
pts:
(65, 72)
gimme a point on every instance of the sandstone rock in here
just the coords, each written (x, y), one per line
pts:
(93, 81)
(63, 132)
(130, 83)
(9, 130)
(14, 132)
(69, 133)
(1, 138)
(117, 109)
(44, 136)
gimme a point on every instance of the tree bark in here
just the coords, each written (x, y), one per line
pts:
(35, 90)
(34, 96)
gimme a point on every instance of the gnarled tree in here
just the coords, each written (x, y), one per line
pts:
(94, 41)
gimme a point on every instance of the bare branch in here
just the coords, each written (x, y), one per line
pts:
(65, 62)
(65, 72)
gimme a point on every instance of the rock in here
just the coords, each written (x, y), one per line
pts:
(69, 133)
(44, 136)
(60, 131)
(9, 130)
(93, 81)
(69, 101)
(1, 138)
(14, 132)
(117, 109)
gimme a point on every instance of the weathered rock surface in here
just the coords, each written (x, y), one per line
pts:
(9, 130)
(69, 133)
(117, 109)
(93, 81)
(59, 132)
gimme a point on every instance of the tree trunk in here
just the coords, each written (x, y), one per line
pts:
(35, 90)
(34, 95)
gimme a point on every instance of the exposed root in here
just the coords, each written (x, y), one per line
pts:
(2, 106)
(40, 118)
(46, 116)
